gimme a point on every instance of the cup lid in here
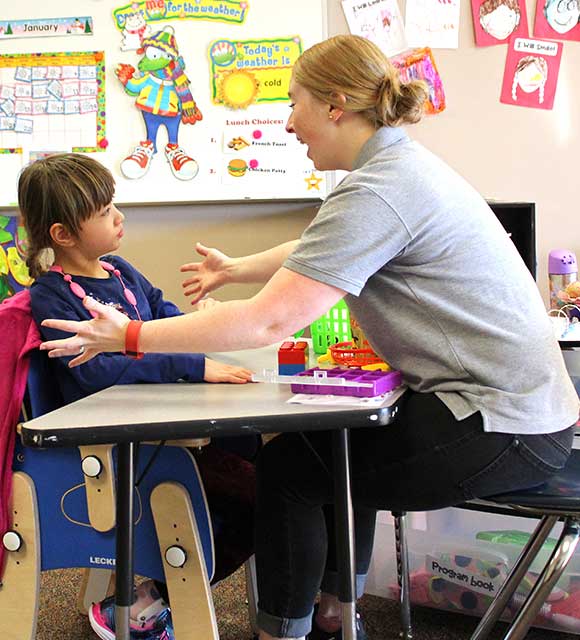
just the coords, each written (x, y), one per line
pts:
(562, 261)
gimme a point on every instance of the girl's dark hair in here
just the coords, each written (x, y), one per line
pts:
(66, 188)
(356, 68)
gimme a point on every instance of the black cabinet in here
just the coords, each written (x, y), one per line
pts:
(519, 220)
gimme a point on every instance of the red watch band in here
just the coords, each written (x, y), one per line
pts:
(132, 339)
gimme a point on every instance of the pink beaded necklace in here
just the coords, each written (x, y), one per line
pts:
(79, 292)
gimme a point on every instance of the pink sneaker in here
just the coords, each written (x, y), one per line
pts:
(154, 623)
(182, 166)
(137, 164)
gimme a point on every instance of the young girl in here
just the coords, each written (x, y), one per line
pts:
(66, 204)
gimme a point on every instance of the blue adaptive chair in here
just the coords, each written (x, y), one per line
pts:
(64, 516)
(557, 499)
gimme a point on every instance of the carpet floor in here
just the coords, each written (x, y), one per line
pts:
(59, 618)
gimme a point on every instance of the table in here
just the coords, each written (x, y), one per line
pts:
(126, 415)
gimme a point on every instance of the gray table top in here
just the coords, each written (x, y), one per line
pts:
(174, 411)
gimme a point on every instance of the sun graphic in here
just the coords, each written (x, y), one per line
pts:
(238, 89)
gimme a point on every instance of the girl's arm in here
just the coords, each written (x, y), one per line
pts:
(108, 369)
(217, 269)
(288, 302)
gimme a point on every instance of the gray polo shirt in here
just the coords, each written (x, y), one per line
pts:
(439, 288)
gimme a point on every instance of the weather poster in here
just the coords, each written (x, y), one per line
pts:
(246, 72)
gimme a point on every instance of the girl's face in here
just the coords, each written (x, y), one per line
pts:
(530, 78)
(311, 124)
(562, 15)
(501, 22)
(101, 233)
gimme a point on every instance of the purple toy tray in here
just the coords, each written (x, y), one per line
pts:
(380, 381)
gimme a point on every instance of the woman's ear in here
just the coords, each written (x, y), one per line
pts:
(336, 109)
(61, 236)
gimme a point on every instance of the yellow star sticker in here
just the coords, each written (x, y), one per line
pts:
(313, 181)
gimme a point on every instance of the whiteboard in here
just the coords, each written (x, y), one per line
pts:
(237, 57)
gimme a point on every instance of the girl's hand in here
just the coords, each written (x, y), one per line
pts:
(208, 275)
(220, 372)
(104, 333)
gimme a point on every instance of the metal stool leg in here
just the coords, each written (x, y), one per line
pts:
(514, 577)
(403, 573)
(546, 580)
(252, 592)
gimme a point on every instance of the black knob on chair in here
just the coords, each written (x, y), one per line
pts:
(175, 556)
(92, 466)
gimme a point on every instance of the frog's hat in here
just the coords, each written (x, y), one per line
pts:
(164, 40)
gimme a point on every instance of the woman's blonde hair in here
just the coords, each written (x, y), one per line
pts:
(66, 188)
(358, 69)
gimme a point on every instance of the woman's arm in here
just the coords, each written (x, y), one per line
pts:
(217, 269)
(288, 302)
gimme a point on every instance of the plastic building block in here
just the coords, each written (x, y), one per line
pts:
(364, 384)
(290, 369)
(293, 355)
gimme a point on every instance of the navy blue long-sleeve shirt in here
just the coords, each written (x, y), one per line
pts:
(51, 297)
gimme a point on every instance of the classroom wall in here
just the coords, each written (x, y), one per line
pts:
(506, 152)
(159, 239)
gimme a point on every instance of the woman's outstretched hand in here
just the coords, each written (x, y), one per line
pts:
(208, 275)
(104, 333)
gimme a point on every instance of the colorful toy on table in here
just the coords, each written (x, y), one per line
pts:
(292, 357)
(348, 354)
(330, 328)
(364, 384)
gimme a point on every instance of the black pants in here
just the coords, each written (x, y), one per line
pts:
(425, 460)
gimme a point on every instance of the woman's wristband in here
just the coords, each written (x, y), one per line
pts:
(132, 339)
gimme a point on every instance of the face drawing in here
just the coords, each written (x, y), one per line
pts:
(499, 18)
(530, 75)
(562, 15)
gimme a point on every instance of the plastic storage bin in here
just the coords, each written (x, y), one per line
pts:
(373, 383)
(461, 573)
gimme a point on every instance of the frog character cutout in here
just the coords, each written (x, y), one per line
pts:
(164, 98)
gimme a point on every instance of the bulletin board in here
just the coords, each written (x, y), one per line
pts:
(183, 100)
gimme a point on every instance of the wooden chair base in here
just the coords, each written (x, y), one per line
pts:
(188, 585)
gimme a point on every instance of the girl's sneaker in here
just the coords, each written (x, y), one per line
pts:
(319, 634)
(154, 622)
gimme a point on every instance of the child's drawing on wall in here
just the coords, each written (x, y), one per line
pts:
(562, 15)
(530, 75)
(558, 19)
(495, 21)
(499, 18)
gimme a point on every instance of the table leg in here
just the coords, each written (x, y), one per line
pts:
(124, 539)
(344, 531)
